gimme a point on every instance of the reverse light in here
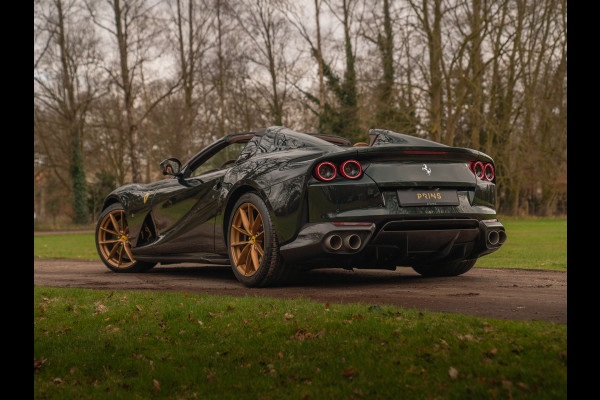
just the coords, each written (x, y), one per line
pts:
(351, 169)
(325, 171)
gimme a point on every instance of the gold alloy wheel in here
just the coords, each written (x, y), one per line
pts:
(113, 240)
(247, 238)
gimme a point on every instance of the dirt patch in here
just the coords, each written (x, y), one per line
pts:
(513, 294)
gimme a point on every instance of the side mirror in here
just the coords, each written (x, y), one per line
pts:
(171, 166)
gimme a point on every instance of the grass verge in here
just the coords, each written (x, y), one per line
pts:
(127, 344)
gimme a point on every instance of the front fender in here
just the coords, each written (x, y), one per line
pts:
(136, 200)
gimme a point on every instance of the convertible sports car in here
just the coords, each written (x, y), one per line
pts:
(274, 202)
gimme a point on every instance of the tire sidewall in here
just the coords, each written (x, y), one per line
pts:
(269, 248)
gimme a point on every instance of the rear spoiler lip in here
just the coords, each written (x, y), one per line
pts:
(394, 152)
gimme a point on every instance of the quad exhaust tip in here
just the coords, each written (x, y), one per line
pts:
(493, 237)
(335, 242)
(352, 241)
(496, 237)
(501, 237)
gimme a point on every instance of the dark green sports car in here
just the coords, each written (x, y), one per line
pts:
(275, 202)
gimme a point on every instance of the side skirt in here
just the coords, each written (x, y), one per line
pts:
(187, 257)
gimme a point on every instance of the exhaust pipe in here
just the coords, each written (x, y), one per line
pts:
(493, 237)
(333, 242)
(352, 241)
(501, 237)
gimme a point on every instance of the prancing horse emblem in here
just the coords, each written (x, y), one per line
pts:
(428, 170)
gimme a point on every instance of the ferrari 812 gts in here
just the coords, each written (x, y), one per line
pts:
(275, 202)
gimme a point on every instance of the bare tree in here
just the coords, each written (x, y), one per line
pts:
(192, 25)
(431, 26)
(269, 33)
(134, 29)
(66, 86)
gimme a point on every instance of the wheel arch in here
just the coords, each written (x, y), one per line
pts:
(231, 200)
(109, 201)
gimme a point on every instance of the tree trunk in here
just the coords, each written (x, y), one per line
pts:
(75, 128)
(132, 130)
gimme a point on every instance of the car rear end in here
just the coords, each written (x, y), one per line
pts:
(398, 204)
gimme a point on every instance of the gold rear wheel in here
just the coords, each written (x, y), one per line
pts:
(246, 240)
(113, 240)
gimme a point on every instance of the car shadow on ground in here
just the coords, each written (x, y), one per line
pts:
(325, 277)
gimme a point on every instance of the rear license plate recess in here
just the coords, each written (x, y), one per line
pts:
(427, 197)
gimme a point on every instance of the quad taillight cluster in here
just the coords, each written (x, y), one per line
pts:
(484, 171)
(327, 171)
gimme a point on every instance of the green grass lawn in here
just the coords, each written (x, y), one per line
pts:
(140, 345)
(76, 245)
(531, 243)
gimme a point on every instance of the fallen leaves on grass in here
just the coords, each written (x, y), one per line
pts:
(348, 373)
(453, 372)
(303, 334)
(100, 308)
(211, 377)
(194, 320)
(37, 364)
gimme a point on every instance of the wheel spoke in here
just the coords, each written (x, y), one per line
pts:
(245, 221)
(248, 266)
(114, 222)
(109, 231)
(250, 214)
(108, 241)
(254, 255)
(240, 230)
(240, 243)
(113, 251)
(256, 224)
(243, 255)
(128, 251)
(120, 256)
(259, 249)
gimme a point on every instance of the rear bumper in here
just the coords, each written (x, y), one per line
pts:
(394, 243)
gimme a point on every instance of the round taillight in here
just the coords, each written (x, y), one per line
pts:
(478, 169)
(488, 172)
(351, 169)
(325, 171)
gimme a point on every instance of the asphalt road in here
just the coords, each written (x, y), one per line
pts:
(513, 294)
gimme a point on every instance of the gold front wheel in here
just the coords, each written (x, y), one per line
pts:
(247, 238)
(113, 242)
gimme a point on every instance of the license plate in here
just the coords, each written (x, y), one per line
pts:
(432, 197)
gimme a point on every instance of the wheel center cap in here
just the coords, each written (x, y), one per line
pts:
(123, 238)
(253, 239)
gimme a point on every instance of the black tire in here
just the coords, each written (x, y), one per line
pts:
(114, 250)
(452, 268)
(271, 269)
